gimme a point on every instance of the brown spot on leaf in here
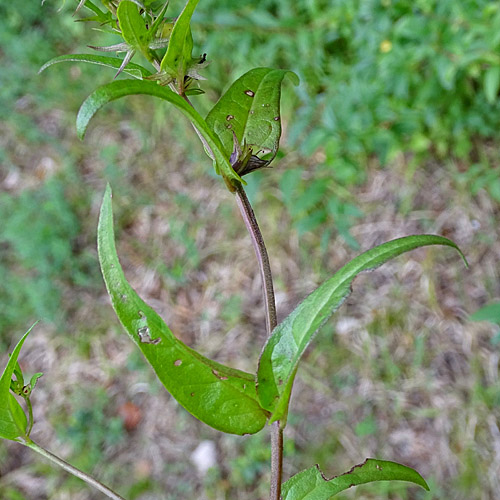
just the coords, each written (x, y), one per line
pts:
(192, 394)
(218, 375)
(178, 362)
(249, 93)
(276, 118)
(229, 117)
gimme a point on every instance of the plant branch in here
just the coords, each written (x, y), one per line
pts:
(271, 322)
(73, 470)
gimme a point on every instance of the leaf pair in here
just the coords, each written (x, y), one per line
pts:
(222, 397)
(247, 114)
(242, 131)
(122, 88)
(177, 64)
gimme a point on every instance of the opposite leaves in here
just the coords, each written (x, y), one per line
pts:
(115, 90)
(222, 397)
(310, 484)
(283, 350)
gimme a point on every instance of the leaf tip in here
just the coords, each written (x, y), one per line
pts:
(44, 67)
(294, 78)
(464, 258)
(81, 125)
(462, 255)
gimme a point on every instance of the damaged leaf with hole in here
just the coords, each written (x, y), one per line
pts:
(247, 118)
(226, 398)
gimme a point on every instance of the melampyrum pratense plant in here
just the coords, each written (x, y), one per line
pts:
(240, 134)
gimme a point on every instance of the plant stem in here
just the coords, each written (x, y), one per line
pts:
(30, 415)
(270, 305)
(276, 460)
(271, 322)
(262, 257)
(73, 470)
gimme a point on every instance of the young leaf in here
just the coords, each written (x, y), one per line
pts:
(33, 380)
(250, 110)
(133, 26)
(159, 20)
(289, 340)
(179, 55)
(13, 421)
(132, 69)
(222, 397)
(115, 90)
(311, 484)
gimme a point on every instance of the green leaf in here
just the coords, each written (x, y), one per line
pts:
(132, 69)
(178, 57)
(159, 19)
(115, 90)
(13, 421)
(222, 397)
(251, 109)
(311, 484)
(492, 83)
(133, 27)
(289, 340)
(490, 312)
(34, 379)
(100, 17)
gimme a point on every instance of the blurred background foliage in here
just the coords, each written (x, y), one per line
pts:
(394, 129)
